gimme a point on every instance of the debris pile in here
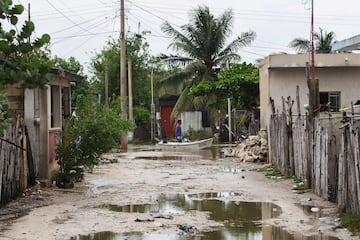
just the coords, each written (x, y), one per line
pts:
(253, 149)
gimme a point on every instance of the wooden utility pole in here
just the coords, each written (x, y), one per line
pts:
(106, 86)
(314, 83)
(131, 112)
(124, 140)
(152, 106)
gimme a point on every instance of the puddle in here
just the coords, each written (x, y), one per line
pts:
(241, 220)
(264, 233)
(212, 153)
(236, 212)
(182, 157)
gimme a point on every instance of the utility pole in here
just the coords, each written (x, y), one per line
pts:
(106, 86)
(152, 106)
(29, 18)
(312, 42)
(130, 93)
(124, 140)
(229, 120)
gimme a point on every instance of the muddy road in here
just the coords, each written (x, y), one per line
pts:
(151, 194)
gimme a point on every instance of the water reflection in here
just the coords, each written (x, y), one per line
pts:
(242, 220)
(265, 233)
(212, 153)
(235, 213)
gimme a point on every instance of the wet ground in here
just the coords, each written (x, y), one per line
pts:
(148, 194)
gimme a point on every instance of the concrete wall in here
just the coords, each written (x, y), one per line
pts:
(280, 74)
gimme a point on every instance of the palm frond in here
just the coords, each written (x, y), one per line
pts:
(301, 45)
(177, 36)
(244, 40)
(324, 41)
(175, 60)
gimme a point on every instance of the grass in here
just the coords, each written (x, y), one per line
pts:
(271, 171)
(351, 222)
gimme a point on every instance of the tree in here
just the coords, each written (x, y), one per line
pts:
(323, 42)
(201, 45)
(240, 83)
(21, 59)
(137, 52)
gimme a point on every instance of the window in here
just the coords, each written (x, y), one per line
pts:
(55, 106)
(329, 101)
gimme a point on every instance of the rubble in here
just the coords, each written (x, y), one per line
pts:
(253, 149)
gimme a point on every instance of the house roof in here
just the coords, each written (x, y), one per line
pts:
(73, 77)
(321, 60)
(349, 44)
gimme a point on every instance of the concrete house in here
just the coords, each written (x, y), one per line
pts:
(42, 111)
(338, 74)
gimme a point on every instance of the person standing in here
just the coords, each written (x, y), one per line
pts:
(178, 131)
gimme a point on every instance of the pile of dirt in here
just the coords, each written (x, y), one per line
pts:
(253, 149)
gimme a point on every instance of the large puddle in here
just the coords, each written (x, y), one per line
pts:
(240, 220)
(212, 153)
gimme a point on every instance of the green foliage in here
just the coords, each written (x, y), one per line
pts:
(5, 112)
(201, 45)
(323, 42)
(194, 135)
(351, 222)
(240, 83)
(136, 51)
(271, 171)
(22, 59)
(93, 131)
(141, 116)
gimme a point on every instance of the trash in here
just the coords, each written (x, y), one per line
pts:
(188, 229)
(144, 220)
(315, 209)
(158, 224)
(169, 217)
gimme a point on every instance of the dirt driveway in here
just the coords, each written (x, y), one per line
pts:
(142, 173)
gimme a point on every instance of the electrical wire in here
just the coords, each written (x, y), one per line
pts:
(67, 17)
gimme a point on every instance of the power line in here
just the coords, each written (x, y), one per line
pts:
(67, 17)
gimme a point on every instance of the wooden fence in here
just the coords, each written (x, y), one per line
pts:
(324, 155)
(16, 166)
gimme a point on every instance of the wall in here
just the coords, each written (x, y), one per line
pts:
(191, 120)
(280, 74)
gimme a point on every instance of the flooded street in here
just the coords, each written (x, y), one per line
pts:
(147, 194)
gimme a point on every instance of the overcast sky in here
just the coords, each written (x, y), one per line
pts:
(80, 28)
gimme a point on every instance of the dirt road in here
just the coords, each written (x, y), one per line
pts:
(140, 174)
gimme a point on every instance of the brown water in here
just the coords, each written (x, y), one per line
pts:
(241, 220)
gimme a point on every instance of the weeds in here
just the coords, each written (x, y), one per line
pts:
(351, 222)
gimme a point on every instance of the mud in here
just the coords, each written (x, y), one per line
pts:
(139, 174)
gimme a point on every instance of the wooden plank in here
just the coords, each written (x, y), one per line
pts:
(342, 188)
(2, 161)
(357, 168)
(317, 160)
(324, 171)
(352, 200)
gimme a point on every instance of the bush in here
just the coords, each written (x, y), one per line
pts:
(198, 134)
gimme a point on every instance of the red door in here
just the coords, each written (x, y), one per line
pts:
(165, 113)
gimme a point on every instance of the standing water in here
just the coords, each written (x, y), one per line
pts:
(234, 219)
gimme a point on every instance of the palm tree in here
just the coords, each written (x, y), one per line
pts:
(201, 48)
(323, 42)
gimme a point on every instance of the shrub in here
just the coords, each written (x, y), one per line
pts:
(94, 130)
